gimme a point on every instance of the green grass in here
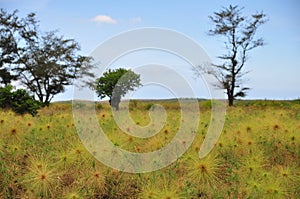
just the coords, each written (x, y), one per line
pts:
(257, 155)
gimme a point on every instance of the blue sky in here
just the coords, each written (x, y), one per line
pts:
(275, 67)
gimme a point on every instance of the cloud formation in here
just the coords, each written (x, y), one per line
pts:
(104, 19)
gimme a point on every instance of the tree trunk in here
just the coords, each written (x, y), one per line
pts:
(230, 97)
(230, 100)
(114, 102)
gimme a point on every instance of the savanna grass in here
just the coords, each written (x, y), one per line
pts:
(257, 155)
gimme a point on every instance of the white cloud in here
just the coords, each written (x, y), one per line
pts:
(136, 20)
(104, 19)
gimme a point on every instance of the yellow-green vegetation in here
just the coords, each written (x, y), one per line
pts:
(257, 155)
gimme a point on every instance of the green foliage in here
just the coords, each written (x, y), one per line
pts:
(6, 76)
(115, 84)
(19, 101)
(5, 97)
(8, 44)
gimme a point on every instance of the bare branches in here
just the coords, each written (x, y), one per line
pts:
(239, 32)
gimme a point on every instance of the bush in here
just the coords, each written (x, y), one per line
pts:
(19, 101)
(149, 106)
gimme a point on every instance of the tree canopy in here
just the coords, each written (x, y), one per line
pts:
(115, 84)
(44, 62)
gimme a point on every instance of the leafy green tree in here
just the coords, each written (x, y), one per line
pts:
(44, 62)
(115, 84)
(239, 32)
(19, 101)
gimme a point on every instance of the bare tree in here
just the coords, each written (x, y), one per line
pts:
(239, 34)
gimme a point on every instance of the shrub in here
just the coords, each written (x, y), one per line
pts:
(149, 106)
(19, 101)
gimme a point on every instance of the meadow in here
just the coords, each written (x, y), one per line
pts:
(257, 155)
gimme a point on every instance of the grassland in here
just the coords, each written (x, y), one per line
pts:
(257, 155)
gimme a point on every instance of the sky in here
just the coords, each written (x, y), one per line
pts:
(274, 68)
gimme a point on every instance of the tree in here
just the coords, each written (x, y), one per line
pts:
(239, 33)
(50, 63)
(44, 62)
(115, 84)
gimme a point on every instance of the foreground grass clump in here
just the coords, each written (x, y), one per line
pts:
(257, 155)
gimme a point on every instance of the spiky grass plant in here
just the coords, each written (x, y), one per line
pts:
(207, 171)
(274, 190)
(252, 164)
(148, 193)
(95, 180)
(79, 152)
(253, 188)
(170, 188)
(72, 193)
(13, 135)
(168, 194)
(289, 176)
(41, 179)
(65, 159)
(160, 189)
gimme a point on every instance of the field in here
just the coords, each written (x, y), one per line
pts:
(257, 155)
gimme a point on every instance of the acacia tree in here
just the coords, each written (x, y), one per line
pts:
(49, 63)
(44, 62)
(115, 84)
(239, 32)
